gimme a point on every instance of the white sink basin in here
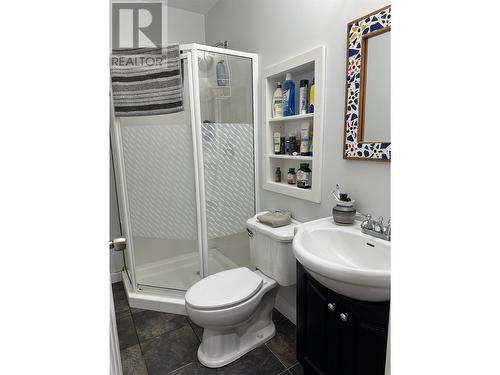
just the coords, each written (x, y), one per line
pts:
(344, 259)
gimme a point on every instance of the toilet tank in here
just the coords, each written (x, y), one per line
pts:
(271, 250)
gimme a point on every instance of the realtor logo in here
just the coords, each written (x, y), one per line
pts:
(137, 25)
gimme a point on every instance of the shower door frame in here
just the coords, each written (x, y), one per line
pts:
(162, 298)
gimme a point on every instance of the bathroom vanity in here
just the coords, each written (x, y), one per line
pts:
(343, 299)
(337, 334)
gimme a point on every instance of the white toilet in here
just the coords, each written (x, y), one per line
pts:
(235, 306)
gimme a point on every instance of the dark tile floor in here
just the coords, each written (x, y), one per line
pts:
(154, 343)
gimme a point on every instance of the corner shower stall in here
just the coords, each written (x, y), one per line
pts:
(186, 181)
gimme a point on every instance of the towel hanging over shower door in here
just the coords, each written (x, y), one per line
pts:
(146, 81)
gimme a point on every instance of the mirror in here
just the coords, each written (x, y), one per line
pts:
(367, 131)
(376, 124)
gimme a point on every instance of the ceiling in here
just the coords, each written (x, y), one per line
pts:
(197, 6)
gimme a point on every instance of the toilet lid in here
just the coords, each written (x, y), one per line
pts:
(224, 289)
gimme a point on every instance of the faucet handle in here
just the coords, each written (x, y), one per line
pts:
(379, 226)
(368, 223)
(387, 228)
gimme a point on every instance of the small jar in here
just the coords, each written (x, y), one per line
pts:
(304, 176)
(291, 176)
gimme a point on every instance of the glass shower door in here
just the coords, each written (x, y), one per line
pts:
(227, 132)
(159, 168)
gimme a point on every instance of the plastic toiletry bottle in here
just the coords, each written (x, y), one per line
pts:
(291, 139)
(311, 98)
(287, 146)
(221, 71)
(291, 176)
(277, 142)
(277, 175)
(288, 96)
(305, 139)
(304, 176)
(297, 144)
(278, 101)
(303, 94)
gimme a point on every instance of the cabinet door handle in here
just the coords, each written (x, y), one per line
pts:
(331, 306)
(344, 317)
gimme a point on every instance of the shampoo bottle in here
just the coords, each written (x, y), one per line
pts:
(277, 142)
(278, 101)
(305, 139)
(288, 96)
(303, 94)
(311, 98)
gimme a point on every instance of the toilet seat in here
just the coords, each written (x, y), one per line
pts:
(224, 289)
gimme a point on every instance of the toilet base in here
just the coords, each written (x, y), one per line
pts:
(221, 346)
(245, 344)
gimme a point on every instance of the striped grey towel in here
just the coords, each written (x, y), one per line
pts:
(146, 81)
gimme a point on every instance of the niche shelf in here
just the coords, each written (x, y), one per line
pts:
(308, 65)
(290, 157)
(291, 118)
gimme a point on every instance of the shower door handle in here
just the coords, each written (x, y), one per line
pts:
(118, 244)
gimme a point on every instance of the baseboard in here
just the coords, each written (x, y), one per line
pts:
(116, 277)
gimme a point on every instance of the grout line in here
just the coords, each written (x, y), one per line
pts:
(279, 360)
(187, 364)
(137, 336)
(191, 325)
(161, 334)
(295, 364)
(284, 372)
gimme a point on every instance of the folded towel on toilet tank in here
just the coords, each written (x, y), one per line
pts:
(276, 218)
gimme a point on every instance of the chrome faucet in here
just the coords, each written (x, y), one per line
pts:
(376, 228)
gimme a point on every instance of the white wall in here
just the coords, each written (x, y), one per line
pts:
(185, 27)
(279, 29)
(182, 27)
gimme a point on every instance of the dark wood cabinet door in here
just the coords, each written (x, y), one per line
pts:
(349, 337)
(364, 337)
(318, 331)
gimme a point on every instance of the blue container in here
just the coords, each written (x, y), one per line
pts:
(222, 76)
(288, 96)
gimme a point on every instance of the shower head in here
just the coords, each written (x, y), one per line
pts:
(221, 44)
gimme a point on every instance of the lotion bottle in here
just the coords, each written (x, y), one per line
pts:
(278, 101)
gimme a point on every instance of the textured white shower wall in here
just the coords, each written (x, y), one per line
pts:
(160, 177)
(159, 168)
(280, 29)
(229, 177)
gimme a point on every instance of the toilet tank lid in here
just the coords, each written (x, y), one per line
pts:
(282, 234)
(224, 289)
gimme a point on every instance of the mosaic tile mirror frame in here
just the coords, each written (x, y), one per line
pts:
(358, 32)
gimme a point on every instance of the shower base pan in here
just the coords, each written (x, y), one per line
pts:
(162, 284)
